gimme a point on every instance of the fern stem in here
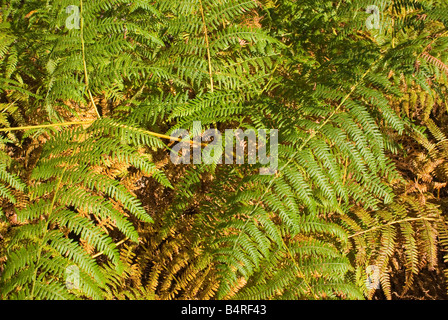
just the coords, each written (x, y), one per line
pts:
(86, 76)
(344, 177)
(61, 124)
(9, 105)
(299, 271)
(117, 244)
(208, 46)
(312, 134)
(47, 125)
(39, 252)
(389, 224)
(270, 80)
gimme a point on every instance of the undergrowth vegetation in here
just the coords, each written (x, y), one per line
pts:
(87, 108)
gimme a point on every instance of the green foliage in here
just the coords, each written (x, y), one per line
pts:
(74, 207)
(310, 69)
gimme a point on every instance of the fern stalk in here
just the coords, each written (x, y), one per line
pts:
(42, 242)
(391, 223)
(208, 46)
(84, 61)
(311, 135)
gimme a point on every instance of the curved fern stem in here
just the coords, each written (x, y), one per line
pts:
(61, 124)
(208, 46)
(42, 242)
(47, 125)
(312, 134)
(389, 224)
(117, 244)
(299, 271)
(84, 61)
(10, 105)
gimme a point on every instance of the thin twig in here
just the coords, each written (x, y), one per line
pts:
(44, 239)
(46, 125)
(117, 244)
(86, 76)
(154, 134)
(389, 224)
(208, 46)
